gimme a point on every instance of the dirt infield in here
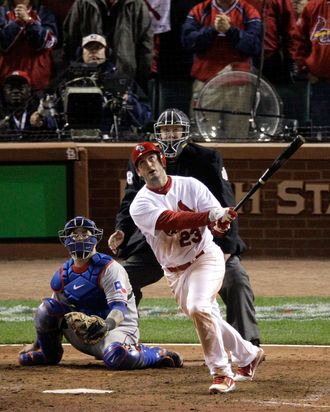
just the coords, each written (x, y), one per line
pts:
(291, 379)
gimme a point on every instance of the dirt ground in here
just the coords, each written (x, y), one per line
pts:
(291, 378)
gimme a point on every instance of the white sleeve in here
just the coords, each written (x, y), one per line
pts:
(145, 213)
(204, 197)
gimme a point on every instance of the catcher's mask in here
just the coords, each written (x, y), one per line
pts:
(80, 245)
(144, 148)
(171, 141)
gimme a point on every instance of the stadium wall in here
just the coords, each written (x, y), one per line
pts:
(288, 217)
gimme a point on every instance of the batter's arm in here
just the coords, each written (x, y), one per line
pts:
(170, 220)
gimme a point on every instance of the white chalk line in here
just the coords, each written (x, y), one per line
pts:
(195, 345)
(303, 404)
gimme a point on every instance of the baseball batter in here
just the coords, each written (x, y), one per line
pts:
(174, 213)
(91, 283)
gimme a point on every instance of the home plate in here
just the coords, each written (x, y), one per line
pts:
(77, 391)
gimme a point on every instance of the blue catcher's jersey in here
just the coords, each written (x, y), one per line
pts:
(82, 289)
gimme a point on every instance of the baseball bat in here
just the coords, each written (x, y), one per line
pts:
(277, 163)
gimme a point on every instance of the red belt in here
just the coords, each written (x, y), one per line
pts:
(185, 266)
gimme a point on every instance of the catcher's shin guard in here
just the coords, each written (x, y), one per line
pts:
(51, 346)
(50, 353)
(49, 336)
(119, 356)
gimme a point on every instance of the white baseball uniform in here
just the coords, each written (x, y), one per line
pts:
(193, 265)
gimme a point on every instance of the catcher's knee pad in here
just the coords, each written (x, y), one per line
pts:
(116, 356)
(49, 315)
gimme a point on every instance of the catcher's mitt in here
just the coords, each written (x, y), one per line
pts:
(90, 329)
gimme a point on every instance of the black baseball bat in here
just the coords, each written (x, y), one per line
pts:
(278, 162)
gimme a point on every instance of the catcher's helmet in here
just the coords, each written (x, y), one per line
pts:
(144, 148)
(80, 247)
(171, 144)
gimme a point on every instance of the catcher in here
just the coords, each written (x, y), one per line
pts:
(93, 307)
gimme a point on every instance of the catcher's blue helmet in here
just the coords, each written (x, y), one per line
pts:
(80, 247)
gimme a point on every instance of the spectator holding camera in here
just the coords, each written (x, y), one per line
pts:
(19, 108)
(125, 107)
(28, 33)
(125, 24)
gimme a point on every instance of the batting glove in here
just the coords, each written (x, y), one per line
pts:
(215, 214)
(223, 224)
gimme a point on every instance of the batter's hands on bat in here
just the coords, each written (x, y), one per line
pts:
(216, 213)
(223, 224)
(222, 23)
(115, 240)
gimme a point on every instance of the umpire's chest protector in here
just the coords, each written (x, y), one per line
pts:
(82, 289)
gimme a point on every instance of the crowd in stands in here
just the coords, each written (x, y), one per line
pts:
(114, 65)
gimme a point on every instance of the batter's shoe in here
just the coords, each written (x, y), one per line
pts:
(222, 384)
(32, 358)
(171, 360)
(247, 373)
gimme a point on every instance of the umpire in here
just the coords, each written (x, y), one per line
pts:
(184, 158)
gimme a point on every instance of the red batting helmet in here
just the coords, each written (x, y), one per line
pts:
(144, 148)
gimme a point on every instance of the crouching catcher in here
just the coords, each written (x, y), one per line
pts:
(93, 306)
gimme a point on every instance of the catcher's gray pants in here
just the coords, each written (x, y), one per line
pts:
(119, 334)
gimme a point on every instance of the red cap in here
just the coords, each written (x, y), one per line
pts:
(144, 148)
(19, 73)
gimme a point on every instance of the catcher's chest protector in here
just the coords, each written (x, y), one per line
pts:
(82, 289)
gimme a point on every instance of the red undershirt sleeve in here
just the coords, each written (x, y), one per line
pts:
(170, 220)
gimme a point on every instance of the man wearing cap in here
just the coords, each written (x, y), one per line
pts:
(94, 49)
(125, 101)
(18, 104)
(126, 25)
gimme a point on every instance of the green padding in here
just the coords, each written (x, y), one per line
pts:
(33, 200)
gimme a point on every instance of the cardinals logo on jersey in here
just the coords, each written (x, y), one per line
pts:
(183, 207)
(321, 33)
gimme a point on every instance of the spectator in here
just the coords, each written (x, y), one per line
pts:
(171, 81)
(279, 39)
(298, 6)
(126, 109)
(221, 33)
(28, 33)
(278, 66)
(313, 59)
(60, 10)
(184, 158)
(124, 23)
(19, 108)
